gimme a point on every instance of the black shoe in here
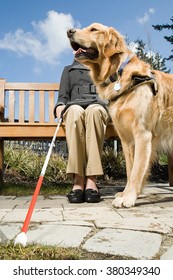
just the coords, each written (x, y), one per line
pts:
(76, 196)
(92, 196)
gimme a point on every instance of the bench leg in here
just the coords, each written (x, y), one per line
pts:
(170, 170)
(1, 160)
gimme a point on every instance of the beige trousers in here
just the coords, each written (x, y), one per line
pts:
(85, 131)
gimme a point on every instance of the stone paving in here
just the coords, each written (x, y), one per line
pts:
(144, 232)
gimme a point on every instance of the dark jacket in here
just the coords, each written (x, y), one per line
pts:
(76, 87)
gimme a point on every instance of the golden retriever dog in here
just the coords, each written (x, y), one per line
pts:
(140, 101)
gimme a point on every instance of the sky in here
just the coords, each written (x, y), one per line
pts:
(33, 42)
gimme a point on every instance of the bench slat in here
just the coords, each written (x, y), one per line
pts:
(31, 86)
(41, 106)
(41, 130)
(31, 106)
(21, 106)
(51, 106)
(11, 102)
(29, 131)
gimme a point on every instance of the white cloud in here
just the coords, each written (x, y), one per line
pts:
(143, 19)
(151, 11)
(146, 17)
(47, 40)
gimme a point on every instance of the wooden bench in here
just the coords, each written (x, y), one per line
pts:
(26, 113)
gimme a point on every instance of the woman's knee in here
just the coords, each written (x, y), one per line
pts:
(96, 111)
(74, 112)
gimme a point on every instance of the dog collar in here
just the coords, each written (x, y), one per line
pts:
(115, 76)
(120, 70)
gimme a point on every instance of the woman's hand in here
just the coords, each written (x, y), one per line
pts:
(59, 110)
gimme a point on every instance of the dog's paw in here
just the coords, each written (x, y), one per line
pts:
(117, 202)
(119, 194)
(124, 201)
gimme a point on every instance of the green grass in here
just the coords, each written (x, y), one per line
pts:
(21, 189)
(39, 252)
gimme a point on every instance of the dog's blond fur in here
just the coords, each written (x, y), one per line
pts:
(144, 121)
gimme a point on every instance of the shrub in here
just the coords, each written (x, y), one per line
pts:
(113, 164)
(24, 164)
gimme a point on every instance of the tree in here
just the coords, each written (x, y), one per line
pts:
(160, 27)
(146, 54)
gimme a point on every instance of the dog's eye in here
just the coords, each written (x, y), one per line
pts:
(93, 29)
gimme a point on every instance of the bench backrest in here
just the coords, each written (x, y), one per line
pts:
(28, 102)
(32, 104)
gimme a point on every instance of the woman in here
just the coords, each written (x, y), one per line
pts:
(85, 118)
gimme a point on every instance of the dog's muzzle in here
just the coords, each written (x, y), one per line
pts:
(81, 52)
(70, 32)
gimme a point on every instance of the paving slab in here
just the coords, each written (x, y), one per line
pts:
(42, 215)
(9, 231)
(143, 224)
(3, 212)
(73, 223)
(167, 221)
(147, 212)
(168, 255)
(7, 197)
(131, 244)
(58, 235)
(4, 204)
(90, 213)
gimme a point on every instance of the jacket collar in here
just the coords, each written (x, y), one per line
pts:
(77, 65)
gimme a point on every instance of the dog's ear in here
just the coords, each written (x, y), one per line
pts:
(115, 43)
